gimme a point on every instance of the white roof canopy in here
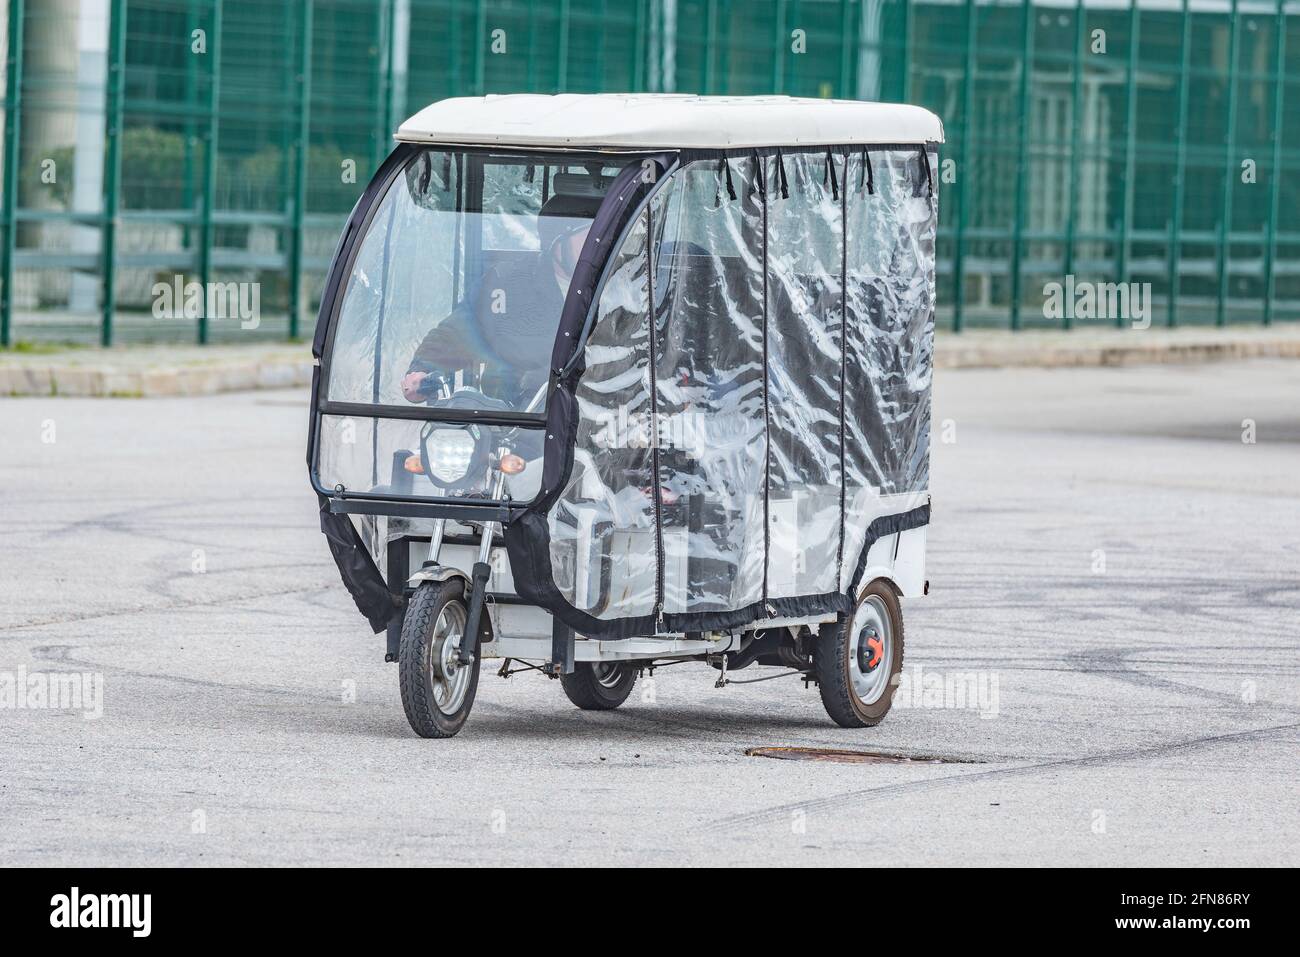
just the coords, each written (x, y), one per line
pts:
(634, 121)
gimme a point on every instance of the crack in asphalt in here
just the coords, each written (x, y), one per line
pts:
(173, 606)
(782, 812)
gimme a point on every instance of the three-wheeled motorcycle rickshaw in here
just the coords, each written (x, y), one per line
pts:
(606, 382)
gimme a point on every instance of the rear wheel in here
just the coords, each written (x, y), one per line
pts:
(437, 690)
(599, 685)
(857, 662)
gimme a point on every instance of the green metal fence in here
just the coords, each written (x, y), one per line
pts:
(1153, 143)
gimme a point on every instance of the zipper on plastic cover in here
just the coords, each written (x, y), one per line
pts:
(656, 492)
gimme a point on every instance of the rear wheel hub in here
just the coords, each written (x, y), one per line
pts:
(871, 650)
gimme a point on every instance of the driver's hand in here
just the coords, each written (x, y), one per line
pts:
(411, 386)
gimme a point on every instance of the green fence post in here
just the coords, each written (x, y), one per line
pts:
(597, 82)
(1022, 157)
(1130, 147)
(480, 41)
(639, 45)
(1275, 176)
(782, 49)
(13, 127)
(192, 21)
(909, 25)
(209, 185)
(531, 61)
(965, 174)
(1180, 172)
(112, 164)
(383, 81)
(710, 43)
(303, 139)
(1229, 174)
(845, 50)
(562, 51)
(1076, 121)
(455, 80)
(793, 73)
(724, 55)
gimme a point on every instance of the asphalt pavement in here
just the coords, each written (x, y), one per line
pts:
(1114, 559)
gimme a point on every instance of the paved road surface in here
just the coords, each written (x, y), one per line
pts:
(1147, 713)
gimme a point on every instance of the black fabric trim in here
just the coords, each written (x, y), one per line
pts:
(455, 509)
(887, 525)
(767, 413)
(844, 359)
(426, 413)
(686, 156)
(528, 546)
(615, 216)
(358, 570)
(360, 215)
(656, 488)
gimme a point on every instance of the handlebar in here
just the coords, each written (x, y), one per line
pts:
(434, 387)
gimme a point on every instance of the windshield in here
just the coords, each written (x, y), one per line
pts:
(456, 290)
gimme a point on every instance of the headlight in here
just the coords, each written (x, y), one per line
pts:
(450, 453)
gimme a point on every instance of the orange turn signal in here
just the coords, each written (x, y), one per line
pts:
(512, 464)
(412, 464)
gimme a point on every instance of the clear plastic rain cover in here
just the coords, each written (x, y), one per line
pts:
(756, 388)
(453, 300)
(453, 305)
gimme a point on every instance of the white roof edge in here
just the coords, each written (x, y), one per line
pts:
(639, 121)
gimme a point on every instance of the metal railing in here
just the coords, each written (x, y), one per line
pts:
(1151, 145)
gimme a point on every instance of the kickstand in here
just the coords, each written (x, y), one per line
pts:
(722, 678)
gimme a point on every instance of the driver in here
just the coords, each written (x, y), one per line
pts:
(508, 326)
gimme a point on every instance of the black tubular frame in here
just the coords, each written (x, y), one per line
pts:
(356, 566)
(526, 532)
(358, 227)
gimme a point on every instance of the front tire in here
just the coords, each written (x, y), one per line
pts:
(599, 685)
(437, 690)
(858, 662)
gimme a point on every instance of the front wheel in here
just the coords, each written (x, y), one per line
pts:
(599, 685)
(437, 690)
(857, 662)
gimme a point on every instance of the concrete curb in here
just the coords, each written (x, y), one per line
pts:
(1051, 350)
(83, 379)
(159, 372)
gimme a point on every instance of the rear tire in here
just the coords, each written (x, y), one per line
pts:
(599, 685)
(437, 691)
(858, 662)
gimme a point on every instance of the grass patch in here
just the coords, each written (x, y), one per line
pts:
(26, 347)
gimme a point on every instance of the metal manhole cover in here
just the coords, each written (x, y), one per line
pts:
(839, 756)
